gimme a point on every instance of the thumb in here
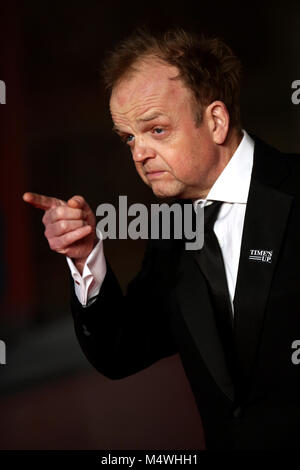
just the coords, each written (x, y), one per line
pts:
(76, 202)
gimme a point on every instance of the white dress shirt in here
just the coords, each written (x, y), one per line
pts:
(232, 187)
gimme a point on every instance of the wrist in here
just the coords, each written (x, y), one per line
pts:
(80, 262)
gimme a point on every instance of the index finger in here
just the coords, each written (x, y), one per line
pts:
(42, 202)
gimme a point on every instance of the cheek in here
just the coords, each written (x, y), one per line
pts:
(183, 155)
(185, 165)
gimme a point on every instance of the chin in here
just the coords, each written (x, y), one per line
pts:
(163, 191)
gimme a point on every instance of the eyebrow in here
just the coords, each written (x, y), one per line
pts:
(116, 129)
(151, 117)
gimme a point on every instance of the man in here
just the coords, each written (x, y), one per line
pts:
(175, 102)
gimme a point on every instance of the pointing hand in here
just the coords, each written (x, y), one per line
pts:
(70, 227)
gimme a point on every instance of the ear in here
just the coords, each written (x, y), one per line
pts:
(218, 120)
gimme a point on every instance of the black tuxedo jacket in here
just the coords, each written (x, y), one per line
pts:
(167, 310)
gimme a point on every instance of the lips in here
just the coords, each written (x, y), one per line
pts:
(154, 173)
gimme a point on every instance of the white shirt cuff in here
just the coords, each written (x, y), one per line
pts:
(89, 284)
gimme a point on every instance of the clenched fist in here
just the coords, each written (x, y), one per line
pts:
(70, 227)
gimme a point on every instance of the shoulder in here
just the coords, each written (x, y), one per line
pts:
(267, 150)
(275, 168)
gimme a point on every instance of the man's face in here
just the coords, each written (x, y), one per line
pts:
(154, 116)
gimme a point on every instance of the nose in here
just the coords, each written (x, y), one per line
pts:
(142, 151)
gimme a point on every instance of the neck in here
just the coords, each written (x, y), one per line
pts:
(227, 150)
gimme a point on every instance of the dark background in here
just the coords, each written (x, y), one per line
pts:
(56, 139)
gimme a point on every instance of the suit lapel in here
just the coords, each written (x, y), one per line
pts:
(264, 226)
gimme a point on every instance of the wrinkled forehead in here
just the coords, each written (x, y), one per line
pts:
(149, 80)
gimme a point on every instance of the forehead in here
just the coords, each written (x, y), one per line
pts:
(151, 84)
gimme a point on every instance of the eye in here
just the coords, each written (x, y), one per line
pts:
(158, 130)
(127, 138)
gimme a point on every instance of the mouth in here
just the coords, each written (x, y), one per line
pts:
(154, 174)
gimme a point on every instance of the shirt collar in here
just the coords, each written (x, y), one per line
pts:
(232, 185)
